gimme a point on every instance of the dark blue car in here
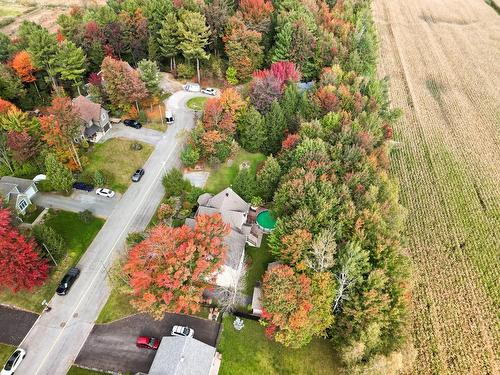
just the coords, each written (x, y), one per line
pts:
(82, 186)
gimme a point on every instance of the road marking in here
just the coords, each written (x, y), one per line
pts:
(162, 170)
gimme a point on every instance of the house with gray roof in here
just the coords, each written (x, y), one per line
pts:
(95, 119)
(239, 215)
(185, 356)
(17, 192)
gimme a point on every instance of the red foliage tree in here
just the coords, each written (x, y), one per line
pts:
(290, 141)
(20, 265)
(6, 106)
(23, 146)
(170, 269)
(23, 66)
(254, 11)
(59, 36)
(326, 99)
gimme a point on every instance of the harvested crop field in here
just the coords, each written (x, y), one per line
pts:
(442, 61)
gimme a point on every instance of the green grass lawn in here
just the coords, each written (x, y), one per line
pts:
(77, 236)
(11, 10)
(118, 306)
(223, 176)
(115, 158)
(30, 217)
(250, 352)
(5, 352)
(158, 126)
(260, 258)
(75, 370)
(197, 103)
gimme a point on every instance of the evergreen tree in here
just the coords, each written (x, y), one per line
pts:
(244, 184)
(283, 43)
(193, 36)
(156, 11)
(168, 39)
(289, 103)
(58, 175)
(275, 129)
(10, 85)
(251, 129)
(69, 63)
(42, 47)
(268, 178)
(150, 75)
(6, 48)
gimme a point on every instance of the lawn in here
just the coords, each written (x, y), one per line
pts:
(30, 217)
(117, 306)
(77, 236)
(197, 103)
(116, 159)
(223, 176)
(75, 370)
(5, 352)
(156, 125)
(260, 257)
(11, 10)
(250, 352)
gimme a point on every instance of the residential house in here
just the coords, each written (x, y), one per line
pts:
(95, 118)
(17, 192)
(185, 356)
(239, 215)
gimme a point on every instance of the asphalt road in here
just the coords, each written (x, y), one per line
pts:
(111, 347)
(144, 134)
(14, 325)
(57, 337)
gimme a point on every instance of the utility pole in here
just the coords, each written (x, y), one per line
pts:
(49, 254)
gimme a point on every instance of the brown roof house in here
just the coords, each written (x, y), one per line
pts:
(238, 214)
(17, 192)
(95, 118)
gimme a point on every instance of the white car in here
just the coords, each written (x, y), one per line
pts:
(193, 87)
(209, 91)
(182, 331)
(103, 192)
(169, 117)
(13, 362)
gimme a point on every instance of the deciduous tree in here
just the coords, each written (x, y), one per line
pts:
(23, 66)
(58, 175)
(23, 146)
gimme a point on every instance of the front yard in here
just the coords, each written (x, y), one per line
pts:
(117, 306)
(224, 175)
(77, 237)
(117, 161)
(75, 370)
(250, 352)
(5, 352)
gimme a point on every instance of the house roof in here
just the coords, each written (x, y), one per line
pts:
(6, 188)
(228, 200)
(91, 130)
(22, 184)
(88, 110)
(182, 356)
(236, 247)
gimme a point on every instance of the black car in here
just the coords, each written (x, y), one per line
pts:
(82, 186)
(136, 177)
(67, 281)
(132, 123)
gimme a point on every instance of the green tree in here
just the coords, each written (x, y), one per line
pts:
(43, 47)
(47, 236)
(11, 86)
(58, 175)
(168, 39)
(18, 121)
(190, 156)
(156, 11)
(174, 183)
(268, 178)
(193, 37)
(244, 184)
(6, 48)
(281, 50)
(275, 128)
(150, 75)
(251, 129)
(69, 63)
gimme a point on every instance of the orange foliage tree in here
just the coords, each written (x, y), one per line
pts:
(170, 269)
(23, 66)
(6, 106)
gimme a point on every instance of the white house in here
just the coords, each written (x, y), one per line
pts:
(17, 192)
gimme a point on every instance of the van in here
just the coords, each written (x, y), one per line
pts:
(193, 87)
(169, 117)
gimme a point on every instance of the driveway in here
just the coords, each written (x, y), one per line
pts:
(15, 324)
(78, 201)
(143, 134)
(56, 338)
(111, 347)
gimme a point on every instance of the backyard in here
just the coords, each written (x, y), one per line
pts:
(250, 352)
(259, 258)
(77, 237)
(223, 175)
(116, 159)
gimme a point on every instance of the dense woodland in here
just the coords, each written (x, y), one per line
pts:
(343, 272)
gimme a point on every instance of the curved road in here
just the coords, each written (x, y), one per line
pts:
(55, 339)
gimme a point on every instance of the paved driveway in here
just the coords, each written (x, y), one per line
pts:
(143, 134)
(78, 201)
(111, 347)
(15, 324)
(56, 338)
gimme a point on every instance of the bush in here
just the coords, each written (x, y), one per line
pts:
(185, 71)
(190, 156)
(45, 186)
(143, 117)
(85, 216)
(85, 144)
(231, 75)
(174, 183)
(6, 21)
(135, 238)
(222, 151)
(193, 194)
(87, 177)
(45, 235)
(99, 179)
(136, 146)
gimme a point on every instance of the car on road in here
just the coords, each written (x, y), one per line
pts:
(169, 117)
(193, 87)
(132, 123)
(136, 177)
(67, 281)
(103, 192)
(13, 362)
(83, 186)
(209, 91)
(182, 331)
(147, 342)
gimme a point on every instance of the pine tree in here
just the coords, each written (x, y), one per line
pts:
(150, 75)
(251, 129)
(168, 39)
(193, 36)
(6, 48)
(42, 47)
(268, 178)
(69, 63)
(58, 175)
(244, 184)
(10, 85)
(283, 43)
(275, 128)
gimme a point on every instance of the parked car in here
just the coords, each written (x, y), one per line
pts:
(132, 123)
(136, 177)
(182, 331)
(13, 362)
(209, 91)
(83, 186)
(193, 87)
(103, 192)
(169, 117)
(67, 281)
(147, 342)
